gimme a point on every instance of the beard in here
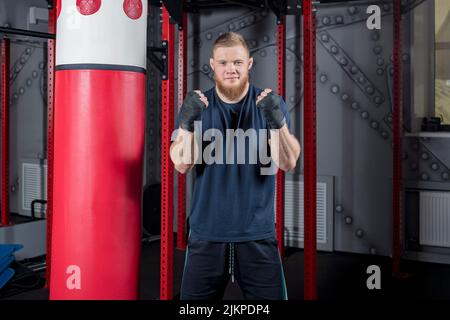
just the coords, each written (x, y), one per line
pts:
(234, 91)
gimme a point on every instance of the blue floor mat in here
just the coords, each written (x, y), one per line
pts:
(5, 276)
(6, 258)
(5, 262)
(8, 249)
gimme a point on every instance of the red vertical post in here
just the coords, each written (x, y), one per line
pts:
(397, 126)
(309, 113)
(166, 265)
(281, 49)
(182, 88)
(6, 60)
(50, 135)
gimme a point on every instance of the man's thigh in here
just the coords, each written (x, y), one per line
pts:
(259, 271)
(205, 274)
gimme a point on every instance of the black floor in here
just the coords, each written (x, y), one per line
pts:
(339, 276)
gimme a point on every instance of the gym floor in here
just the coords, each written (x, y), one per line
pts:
(339, 276)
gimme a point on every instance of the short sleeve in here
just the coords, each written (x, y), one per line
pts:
(284, 108)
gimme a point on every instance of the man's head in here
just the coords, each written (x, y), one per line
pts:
(231, 63)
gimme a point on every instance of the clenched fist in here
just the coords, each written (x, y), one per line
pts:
(269, 104)
(191, 110)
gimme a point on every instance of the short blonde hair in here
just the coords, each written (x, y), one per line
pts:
(230, 39)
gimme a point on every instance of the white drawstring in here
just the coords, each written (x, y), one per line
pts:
(231, 262)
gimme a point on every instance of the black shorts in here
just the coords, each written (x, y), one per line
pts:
(256, 266)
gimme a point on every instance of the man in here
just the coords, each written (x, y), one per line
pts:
(232, 230)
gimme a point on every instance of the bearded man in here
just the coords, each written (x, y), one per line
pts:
(232, 228)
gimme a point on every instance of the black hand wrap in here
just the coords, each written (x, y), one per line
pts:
(191, 111)
(270, 107)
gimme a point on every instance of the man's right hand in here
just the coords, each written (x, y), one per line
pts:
(193, 105)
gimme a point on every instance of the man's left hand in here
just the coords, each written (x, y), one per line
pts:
(269, 104)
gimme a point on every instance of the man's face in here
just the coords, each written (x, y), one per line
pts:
(231, 66)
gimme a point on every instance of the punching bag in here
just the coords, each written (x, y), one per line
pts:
(99, 147)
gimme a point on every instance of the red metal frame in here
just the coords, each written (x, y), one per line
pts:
(166, 262)
(182, 88)
(281, 65)
(50, 135)
(6, 60)
(309, 74)
(397, 146)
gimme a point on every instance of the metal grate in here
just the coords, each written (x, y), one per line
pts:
(294, 211)
(34, 186)
(434, 218)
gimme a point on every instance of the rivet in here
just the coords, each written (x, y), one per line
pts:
(370, 90)
(377, 49)
(355, 105)
(375, 36)
(335, 89)
(378, 100)
(364, 114)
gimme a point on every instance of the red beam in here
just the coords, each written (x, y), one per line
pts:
(6, 60)
(50, 135)
(309, 74)
(182, 88)
(281, 49)
(166, 260)
(397, 126)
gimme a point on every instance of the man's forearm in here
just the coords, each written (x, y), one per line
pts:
(285, 148)
(183, 151)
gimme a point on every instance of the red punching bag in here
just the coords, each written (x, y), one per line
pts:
(99, 146)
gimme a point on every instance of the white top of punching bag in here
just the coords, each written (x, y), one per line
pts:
(106, 32)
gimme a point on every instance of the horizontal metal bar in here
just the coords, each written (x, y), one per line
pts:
(28, 33)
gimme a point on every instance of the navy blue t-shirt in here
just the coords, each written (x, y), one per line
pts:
(233, 202)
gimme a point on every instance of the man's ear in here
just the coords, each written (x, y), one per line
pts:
(211, 63)
(250, 63)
